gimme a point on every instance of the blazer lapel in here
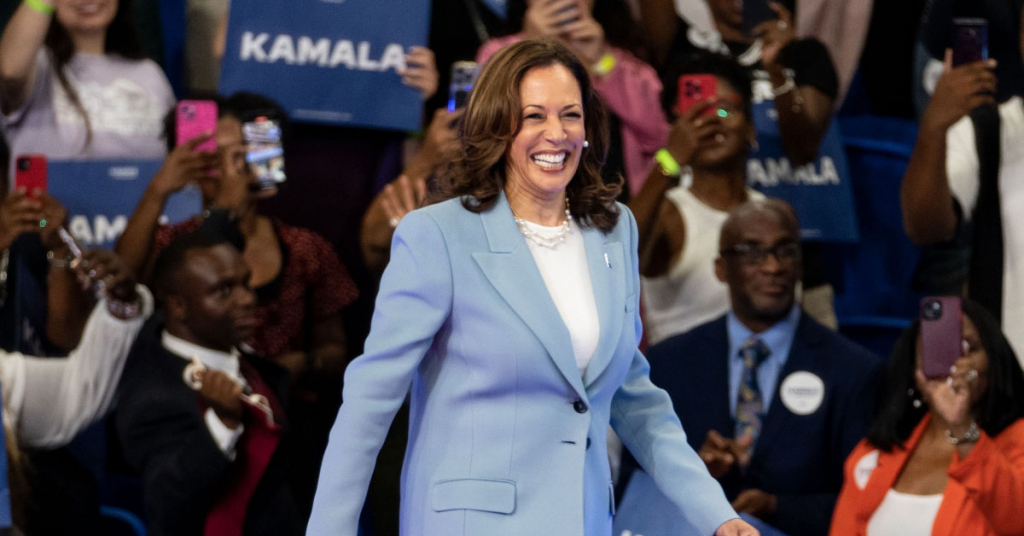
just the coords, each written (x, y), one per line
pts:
(607, 272)
(511, 270)
(779, 422)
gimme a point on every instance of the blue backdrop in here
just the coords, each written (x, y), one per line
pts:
(328, 61)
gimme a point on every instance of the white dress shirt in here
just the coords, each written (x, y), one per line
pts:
(228, 363)
(48, 401)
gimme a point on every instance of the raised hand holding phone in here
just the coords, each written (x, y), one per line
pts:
(30, 173)
(19, 214)
(548, 18)
(959, 90)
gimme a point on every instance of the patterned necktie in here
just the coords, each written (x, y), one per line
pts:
(749, 404)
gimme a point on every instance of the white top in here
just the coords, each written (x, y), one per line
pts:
(902, 514)
(962, 169)
(225, 437)
(690, 294)
(567, 276)
(50, 400)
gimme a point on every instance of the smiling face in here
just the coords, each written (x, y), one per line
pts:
(761, 286)
(544, 155)
(731, 135)
(85, 16)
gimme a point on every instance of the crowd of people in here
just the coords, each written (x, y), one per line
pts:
(564, 307)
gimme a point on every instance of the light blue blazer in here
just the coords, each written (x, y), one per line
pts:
(505, 436)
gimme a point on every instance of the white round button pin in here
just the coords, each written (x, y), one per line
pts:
(865, 466)
(802, 392)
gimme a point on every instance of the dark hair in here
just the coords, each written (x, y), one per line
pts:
(615, 17)
(721, 66)
(242, 105)
(172, 258)
(999, 407)
(121, 39)
(492, 120)
(5, 163)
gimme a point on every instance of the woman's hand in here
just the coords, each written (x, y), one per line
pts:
(950, 397)
(183, 165)
(106, 271)
(401, 197)
(55, 215)
(550, 18)
(585, 37)
(958, 91)
(775, 35)
(421, 71)
(19, 214)
(736, 527)
(687, 131)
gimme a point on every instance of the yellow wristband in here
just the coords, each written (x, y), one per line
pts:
(602, 67)
(40, 6)
(669, 166)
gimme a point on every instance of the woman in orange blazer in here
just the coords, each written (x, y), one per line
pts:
(946, 456)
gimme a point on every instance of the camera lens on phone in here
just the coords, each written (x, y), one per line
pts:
(24, 164)
(932, 310)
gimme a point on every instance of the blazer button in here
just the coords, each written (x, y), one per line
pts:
(579, 406)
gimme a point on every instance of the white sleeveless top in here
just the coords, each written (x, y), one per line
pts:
(902, 514)
(690, 294)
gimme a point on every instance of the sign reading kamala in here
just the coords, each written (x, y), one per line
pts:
(328, 61)
(100, 195)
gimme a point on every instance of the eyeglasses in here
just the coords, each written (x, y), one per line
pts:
(786, 253)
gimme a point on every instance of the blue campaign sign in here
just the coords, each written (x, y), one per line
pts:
(328, 61)
(819, 191)
(100, 195)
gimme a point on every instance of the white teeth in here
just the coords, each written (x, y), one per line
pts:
(550, 161)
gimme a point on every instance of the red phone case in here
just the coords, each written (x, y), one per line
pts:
(30, 172)
(195, 118)
(694, 88)
(941, 336)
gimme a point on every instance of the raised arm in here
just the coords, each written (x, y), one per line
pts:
(660, 23)
(19, 46)
(413, 304)
(925, 195)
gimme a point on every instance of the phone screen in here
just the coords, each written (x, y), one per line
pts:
(264, 151)
(463, 77)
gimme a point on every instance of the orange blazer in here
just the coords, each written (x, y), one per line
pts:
(984, 496)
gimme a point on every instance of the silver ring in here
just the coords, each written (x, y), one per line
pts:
(393, 222)
(782, 25)
(971, 375)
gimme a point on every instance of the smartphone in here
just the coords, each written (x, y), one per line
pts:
(694, 88)
(30, 173)
(464, 75)
(941, 335)
(193, 118)
(970, 40)
(264, 151)
(756, 12)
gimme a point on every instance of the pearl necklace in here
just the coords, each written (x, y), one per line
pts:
(547, 241)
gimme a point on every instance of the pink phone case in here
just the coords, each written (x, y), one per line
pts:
(941, 335)
(195, 118)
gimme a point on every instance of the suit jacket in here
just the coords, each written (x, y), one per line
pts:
(165, 438)
(982, 498)
(505, 436)
(799, 458)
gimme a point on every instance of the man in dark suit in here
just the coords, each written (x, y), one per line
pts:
(772, 400)
(211, 462)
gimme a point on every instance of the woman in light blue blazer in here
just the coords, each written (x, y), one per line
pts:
(510, 311)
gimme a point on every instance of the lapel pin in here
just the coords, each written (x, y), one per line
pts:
(606, 261)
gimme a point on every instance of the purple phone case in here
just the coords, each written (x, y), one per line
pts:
(941, 337)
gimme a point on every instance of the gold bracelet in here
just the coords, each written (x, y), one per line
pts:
(40, 6)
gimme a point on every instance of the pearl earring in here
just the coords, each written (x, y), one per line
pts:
(586, 144)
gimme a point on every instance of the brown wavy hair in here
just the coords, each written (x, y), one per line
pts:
(492, 120)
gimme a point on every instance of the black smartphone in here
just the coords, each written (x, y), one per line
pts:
(756, 12)
(970, 40)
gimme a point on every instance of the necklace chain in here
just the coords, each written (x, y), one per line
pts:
(551, 241)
